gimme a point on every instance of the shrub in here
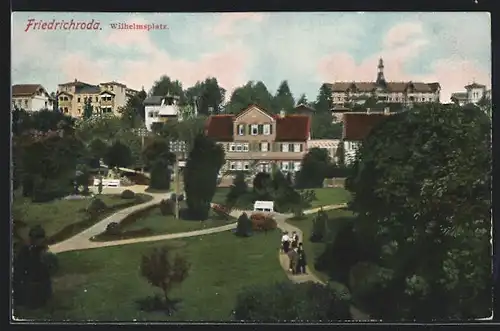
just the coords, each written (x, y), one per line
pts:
(167, 207)
(113, 229)
(96, 206)
(51, 261)
(319, 227)
(180, 198)
(127, 194)
(262, 222)
(244, 227)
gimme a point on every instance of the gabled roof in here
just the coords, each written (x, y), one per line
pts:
(459, 96)
(113, 83)
(358, 125)
(389, 86)
(107, 92)
(251, 107)
(66, 93)
(288, 128)
(474, 85)
(154, 100)
(20, 90)
(89, 89)
(76, 83)
(303, 107)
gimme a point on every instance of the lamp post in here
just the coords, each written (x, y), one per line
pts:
(142, 132)
(178, 148)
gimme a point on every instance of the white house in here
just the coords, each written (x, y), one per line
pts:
(30, 97)
(160, 109)
(473, 94)
(357, 126)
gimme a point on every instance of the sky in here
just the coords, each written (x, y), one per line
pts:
(306, 49)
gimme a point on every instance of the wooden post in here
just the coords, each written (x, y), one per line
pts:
(177, 185)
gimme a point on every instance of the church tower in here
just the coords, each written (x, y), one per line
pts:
(380, 73)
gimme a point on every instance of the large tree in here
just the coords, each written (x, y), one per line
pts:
(165, 85)
(422, 190)
(322, 127)
(313, 168)
(200, 175)
(158, 159)
(324, 101)
(283, 100)
(207, 95)
(118, 155)
(250, 93)
(133, 112)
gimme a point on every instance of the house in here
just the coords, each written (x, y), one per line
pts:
(30, 97)
(330, 145)
(473, 94)
(160, 109)
(338, 113)
(357, 126)
(105, 98)
(302, 109)
(407, 93)
(255, 139)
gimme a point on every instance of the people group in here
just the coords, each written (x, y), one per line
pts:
(291, 246)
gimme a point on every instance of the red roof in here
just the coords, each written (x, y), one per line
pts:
(358, 125)
(289, 128)
(220, 127)
(25, 89)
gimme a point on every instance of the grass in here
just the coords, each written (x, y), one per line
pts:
(55, 216)
(152, 222)
(220, 195)
(336, 219)
(330, 196)
(104, 284)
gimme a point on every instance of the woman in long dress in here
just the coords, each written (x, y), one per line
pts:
(285, 242)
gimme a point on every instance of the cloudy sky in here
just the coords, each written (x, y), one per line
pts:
(307, 49)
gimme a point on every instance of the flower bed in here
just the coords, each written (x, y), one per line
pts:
(262, 222)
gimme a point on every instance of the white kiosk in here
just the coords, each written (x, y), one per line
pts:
(267, 206)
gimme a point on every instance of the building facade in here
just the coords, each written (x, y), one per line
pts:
(160, 109)
(473, 94)
(330, 145)
(256, 139)
(356, 128)
(407, 93)
(30, 97)
(106, 98)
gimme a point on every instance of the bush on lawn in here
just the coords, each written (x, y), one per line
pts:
(95, 207)
(113, 229)
(127, 194)
(262, 222)
(244, 226)
(318, 232)
(287, 301)
(167, 207)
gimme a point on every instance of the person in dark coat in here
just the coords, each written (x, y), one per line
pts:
(294, 259)
(295, 239)
(301, 263)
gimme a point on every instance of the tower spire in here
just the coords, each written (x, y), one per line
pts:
(380, 73)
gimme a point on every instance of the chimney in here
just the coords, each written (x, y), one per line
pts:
(76, 80)
(282, 113)
(387, 110)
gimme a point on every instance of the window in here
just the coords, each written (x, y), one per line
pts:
(297, 148)
(45, 104)
(284, 147)
(239, 165)
(79, 111)
(232, 165)
(78, 100)
(285, 166)
(254, 129)
(267, 129)
(246, 165)
(239, 148)
(245, 147)
(290, 147)
(96, 99)
(111, 87)
(264, 147)
(296, 166)
(241, 130)
(157, 113)
(232, 147)
(66, 110)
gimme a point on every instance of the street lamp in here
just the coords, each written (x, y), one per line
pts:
(142, 132)
(178, 148)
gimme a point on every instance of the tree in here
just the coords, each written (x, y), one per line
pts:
(104, 127)
(118, 155)
(207, 95)
(250, 93)
(322, 127)
(200, 175)
(244, 226)
(88, 109)
(186, 131)
(287, 301)
(165, 86)
(324, 101)
(318, 232)
(283, 100)
(238, 189)
(133, 113)
(313, 168)
(98, 148)
(302, 100)
(157, 157)
(262, 186)
(163, 271)
(422, 189)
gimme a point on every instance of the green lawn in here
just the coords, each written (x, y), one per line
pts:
(330, 196)
(56, 215)
(336, 218)
(104, 284)
(159, 224)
